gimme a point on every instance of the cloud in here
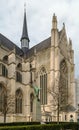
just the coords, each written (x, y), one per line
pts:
(39, 19)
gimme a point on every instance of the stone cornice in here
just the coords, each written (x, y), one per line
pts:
(12, 63)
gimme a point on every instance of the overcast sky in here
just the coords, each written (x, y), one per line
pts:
(39, 17)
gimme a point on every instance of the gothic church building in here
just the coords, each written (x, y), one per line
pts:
(25, 71)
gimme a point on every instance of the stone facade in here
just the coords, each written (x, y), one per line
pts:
(77, 91)
(45, 66)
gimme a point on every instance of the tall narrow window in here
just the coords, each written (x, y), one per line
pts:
(19, 97)
(4, 71)
(31, 102)
(18, 77)
(63, 86)
(5, 59)
(2, 96)
(43, 86)
(19, 67)
(18, 73)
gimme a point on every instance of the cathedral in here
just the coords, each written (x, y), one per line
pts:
(34, 80)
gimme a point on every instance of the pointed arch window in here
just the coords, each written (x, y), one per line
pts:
(63, 86)
(2, 97)
(19, 97)
(5, 59)
(18, 73)
(31, 102)
(4, 71)
(43, 86)
(18, 77)
(19, 67)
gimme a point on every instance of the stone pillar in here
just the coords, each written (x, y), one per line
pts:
(26, 72)
(11, 84)
(54, 57)
(53, 52)
(57, 63)
(26, 82)
(37, 110)
(72, 79)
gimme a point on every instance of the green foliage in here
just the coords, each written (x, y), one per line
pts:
(63, 126)
(72, 126)
(33, 127)
(19, 123)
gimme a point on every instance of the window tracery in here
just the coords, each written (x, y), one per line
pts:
(31, 102)
(19, 97)
(2, 96)
(63, 85)
(43, 86)
(63, 67)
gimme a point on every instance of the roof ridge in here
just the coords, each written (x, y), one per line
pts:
(41, 42)
(9, 44)
(9, 40)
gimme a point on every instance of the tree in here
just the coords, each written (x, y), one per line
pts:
(59, 95)
(8, 104)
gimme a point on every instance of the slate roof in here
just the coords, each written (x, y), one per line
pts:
(39, 47)
(9, 44)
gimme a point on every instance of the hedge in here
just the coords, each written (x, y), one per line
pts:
(73, 126)
(19, 123)
(33, 127)
(64, 126)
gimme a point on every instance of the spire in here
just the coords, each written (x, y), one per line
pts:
(25, 38)
(54, 22)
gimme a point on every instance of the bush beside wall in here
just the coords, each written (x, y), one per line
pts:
(73, 126)
(19, 123)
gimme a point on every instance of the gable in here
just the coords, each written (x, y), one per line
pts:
(63, 42)
(39, 47)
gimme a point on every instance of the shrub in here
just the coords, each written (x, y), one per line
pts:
(19, 123)
(72, 126)
(63, 126)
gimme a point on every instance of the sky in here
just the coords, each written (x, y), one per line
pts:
(39, 20)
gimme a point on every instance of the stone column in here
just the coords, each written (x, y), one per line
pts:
(37, 110)
(53, 51)
(27, 88)
(12, 80)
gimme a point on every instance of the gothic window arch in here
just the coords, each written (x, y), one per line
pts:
(63, 67)
(63, 86)
(5, 59)
(43, 86)
(19, 66)
(4, 71)
(31, 102)
(19, 101)
(18, 72)
(2, 97)
(18, 76)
